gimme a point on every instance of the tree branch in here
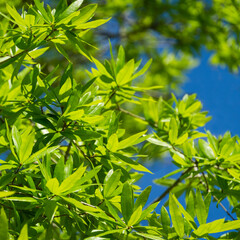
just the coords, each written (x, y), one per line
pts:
(172, 186)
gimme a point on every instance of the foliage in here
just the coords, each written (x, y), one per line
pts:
(70, 162)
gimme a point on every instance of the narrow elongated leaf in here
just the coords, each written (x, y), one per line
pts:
(125, 74)
(206, 149)
(120, 59)
(42, 10)
(217, 227)
(5, 61)
(53, 185)
(92, 24)
(147, 211)
(148, 236)
(111, 183)
(24, 233)
(133, 164)
(86, 14)
(16, 137)
(130, 140)
(3, 225)
(114, 213)
(127, 201)
(74, 39)
(165, 219)
(173, 132)
(101, 68)
(142, 198)
(75, 115)
(6, 193)
(143, 70)
(70, 183)
(70, 9)
(27, 142)
(177, 219)
(159, 142)
(40, 153)
(187, 216)
(59, 170)
(112, 144)
(134, 219)
(50, 209)
(200, 208)
(15, 15)
(82, 206)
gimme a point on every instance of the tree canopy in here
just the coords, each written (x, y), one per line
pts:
(80, 116)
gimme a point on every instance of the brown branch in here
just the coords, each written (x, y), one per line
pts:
(172, 186)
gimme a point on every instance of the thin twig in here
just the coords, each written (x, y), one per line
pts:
(172, 186)
(222, 206)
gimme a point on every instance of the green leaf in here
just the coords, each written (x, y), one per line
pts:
(5, 61)
(50, 209)
(81, 205)
(206, 149)
(173, 132)
(22, 199)
(16, 137)
(41, 9)
(165, 219)
(120, 59)
(101, 68)
(111, 182)
(62, 51)
(177, 219)
(133, 164)
(87, 135)
(75, 115)
(27, 142)
(70, 183)
(61, 7)
(190, 204)
(15, 15)
(143, 70)
(142, 198)
(112, 144)
(130, 140)
(24, 233)
(3, 225)
(70, 9)
(159, 142)
(74, 39)
(114, 213)
(147, 211)
(127, 201)
(182, 139)
(59, 170)
(134, 219)
(40, 153)
(187, 216)
(148, 236)
(200, 208)
(217, 227)
(92, 24)
(6, 193)
(53, 186)
(125, 74)
(86, 14)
